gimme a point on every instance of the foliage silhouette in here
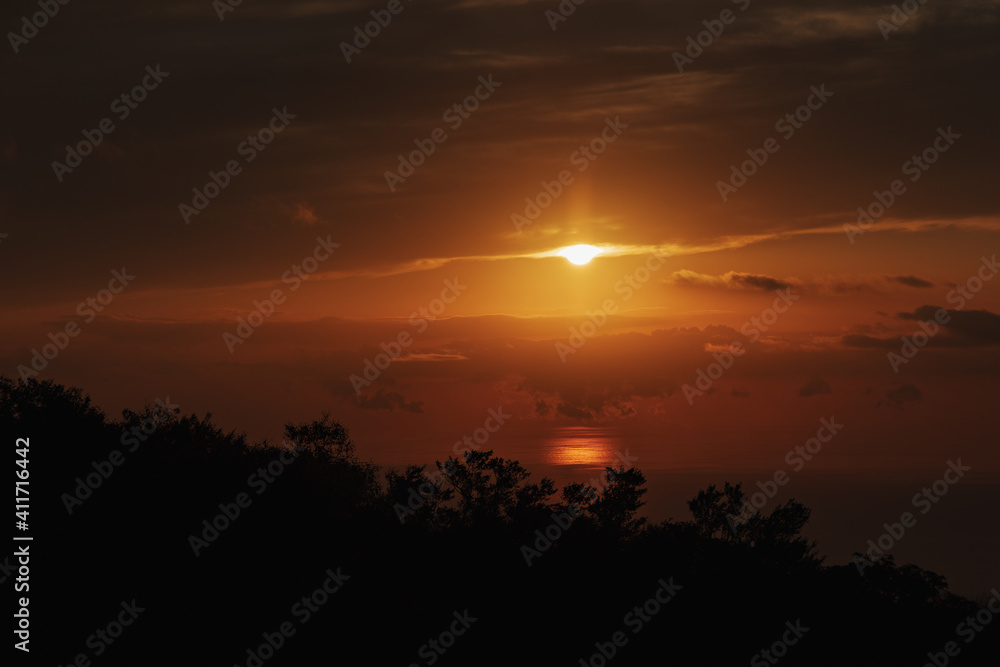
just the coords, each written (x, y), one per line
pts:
(457, 548)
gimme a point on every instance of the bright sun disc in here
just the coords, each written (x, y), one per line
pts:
(580, 254)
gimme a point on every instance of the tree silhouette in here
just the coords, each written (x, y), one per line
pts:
(458, 548)
(718, 514)
(329, 440)
(417, 497)
(727, 516)
(615, 510)
(492, 489)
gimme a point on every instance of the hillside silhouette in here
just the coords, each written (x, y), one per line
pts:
(548, 575)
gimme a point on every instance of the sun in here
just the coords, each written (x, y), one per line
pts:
(579, 254)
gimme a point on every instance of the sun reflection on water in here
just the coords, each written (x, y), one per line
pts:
(581, 446)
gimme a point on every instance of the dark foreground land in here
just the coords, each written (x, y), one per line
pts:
(159, 539)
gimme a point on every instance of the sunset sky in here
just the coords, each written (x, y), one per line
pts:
(603, 83)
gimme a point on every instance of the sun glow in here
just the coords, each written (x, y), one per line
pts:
(580, 254)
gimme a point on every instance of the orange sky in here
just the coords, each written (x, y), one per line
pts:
(604, 79)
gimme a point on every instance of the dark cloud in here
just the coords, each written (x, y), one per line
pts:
(975, 327)
(731, 280)
(764, 283)
(815, 387)
(574, 412)
(387, 400)
(835, 285)
(905, 394)
(961, 328)
(912, 281)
